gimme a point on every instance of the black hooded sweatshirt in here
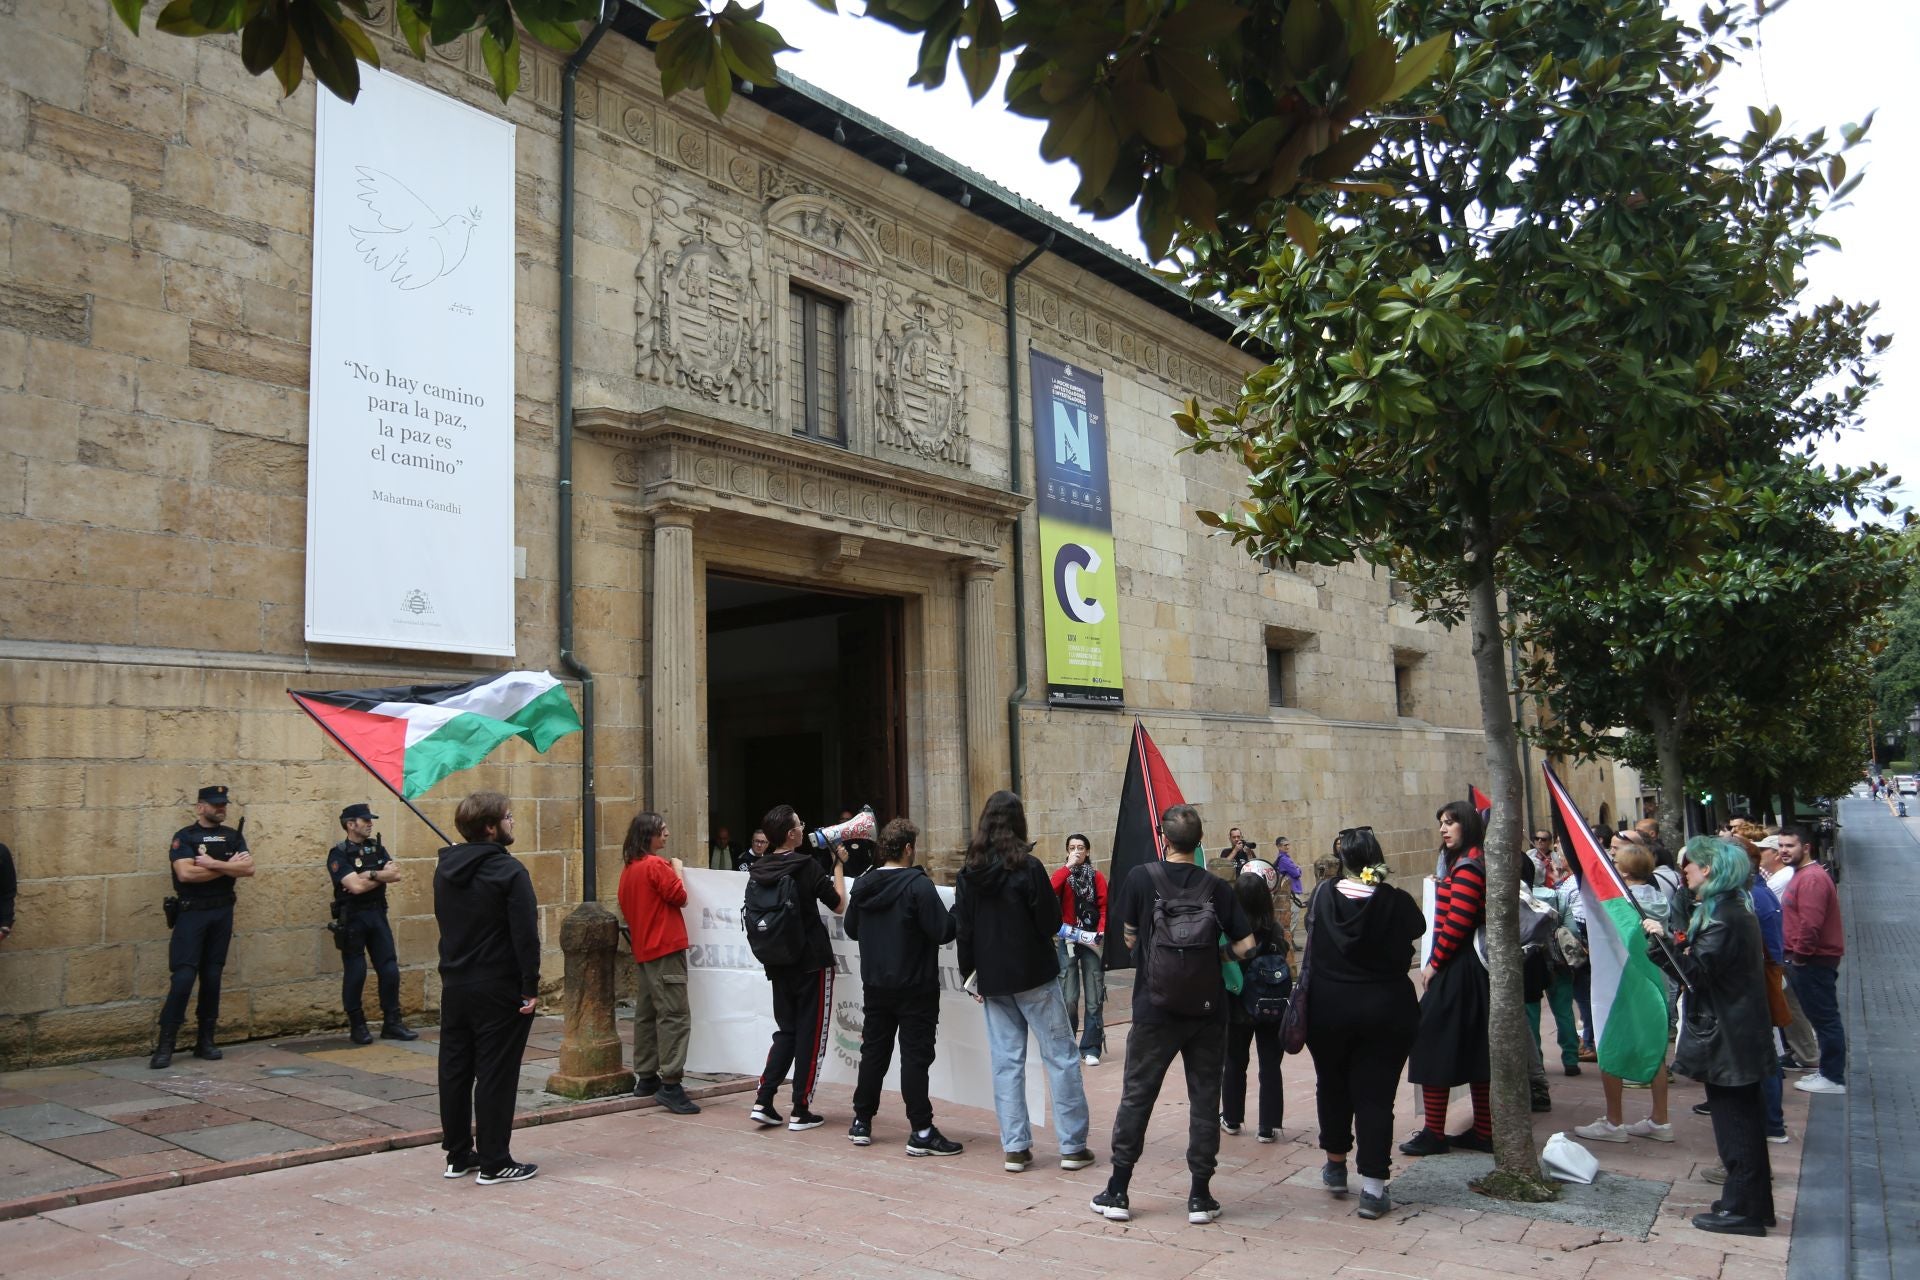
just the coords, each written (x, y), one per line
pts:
(900, 923)
(1007, 921)
(1364, 939)
(489, 926)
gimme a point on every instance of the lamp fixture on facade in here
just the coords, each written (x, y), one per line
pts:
(839, 133)
(900, 165)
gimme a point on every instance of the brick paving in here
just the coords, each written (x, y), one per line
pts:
(86, 1127)
(643, 1193)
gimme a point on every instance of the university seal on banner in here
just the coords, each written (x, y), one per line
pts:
(922, 393)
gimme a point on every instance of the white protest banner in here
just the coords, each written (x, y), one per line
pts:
(733, 1011)
(410, 432)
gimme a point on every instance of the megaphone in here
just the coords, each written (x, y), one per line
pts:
(860, 826)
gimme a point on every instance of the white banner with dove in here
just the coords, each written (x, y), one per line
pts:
(410, 430)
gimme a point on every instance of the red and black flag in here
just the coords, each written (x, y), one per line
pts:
(1482, 805)
(1146, 793)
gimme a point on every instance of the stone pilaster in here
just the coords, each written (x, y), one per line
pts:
(676, 701)
(986, 700)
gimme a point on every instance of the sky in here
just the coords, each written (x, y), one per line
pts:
(1823, 62)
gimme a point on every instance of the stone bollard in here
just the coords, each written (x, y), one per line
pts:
(591, 1063)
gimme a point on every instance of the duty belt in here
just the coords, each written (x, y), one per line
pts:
(204, 904)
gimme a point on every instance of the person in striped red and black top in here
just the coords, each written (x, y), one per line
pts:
(1451, 1048)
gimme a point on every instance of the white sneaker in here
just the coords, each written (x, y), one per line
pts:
(1091, 1060)
(1648, 1129)
(1817, 1083)
(1779, 1139)
(1601, 1130)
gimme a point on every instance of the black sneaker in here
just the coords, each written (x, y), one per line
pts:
(395, 1029)
(673, 1097)
(507, 1173)
(1541, 1102)
(932, 1143)
(1071, 1160)
(462, 1165)
(1571, 1068)
(860, 1133)
(1267, 1135)
(645, 1086)
(1016, 1161)
(1468, 1141)
(1334, 1177)
(1112, 1205)
(1228, 1126)
(1372, 1207)
(1703, 1108)
(1202, 1209)
(1425, 1143)
(765, 1116)
(360, 1033)
(803, 1119)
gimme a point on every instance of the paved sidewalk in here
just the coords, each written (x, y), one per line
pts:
(95, 1124)
(643, 1193)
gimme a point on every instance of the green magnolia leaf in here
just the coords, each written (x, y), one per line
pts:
(1201, 23)
(554, 34)
(129, 11)
(263, 39)
(1371, 75)
(1305, 232)
(1415, 68)
(177, 20)
(718, 88)
(413, 28)
(357, 40)
(1153, 115)
(1302, 33)
(1196, 85)
(290, 66)
(328, 52)
(503, 63)
(1253, 150)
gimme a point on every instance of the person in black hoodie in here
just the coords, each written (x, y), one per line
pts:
(900, 923)
(1362, 1014)
(803, 991)
(489, 983)
(1007, 915)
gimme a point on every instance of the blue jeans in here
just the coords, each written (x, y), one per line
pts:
(1082, 972)
(1770, 1093)
(1008, 1018)
(1816, 987)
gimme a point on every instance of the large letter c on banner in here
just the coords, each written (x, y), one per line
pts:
(1069, 563)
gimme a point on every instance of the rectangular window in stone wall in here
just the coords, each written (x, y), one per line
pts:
(1284, 647)
(815, 365)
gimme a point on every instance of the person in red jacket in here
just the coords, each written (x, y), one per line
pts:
(1815, 942)
(651, 895)
(1083, 904)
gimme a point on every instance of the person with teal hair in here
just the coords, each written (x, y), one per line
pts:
(1726, 1032)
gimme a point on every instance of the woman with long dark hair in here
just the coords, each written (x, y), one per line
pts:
(1451, 1047)
(1008, 915)
(1083, 904)
(651, 893)
(1250, 1030)
(1726, 1031)
(1361, 1011)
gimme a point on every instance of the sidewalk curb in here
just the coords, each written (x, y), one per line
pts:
(94, 1193)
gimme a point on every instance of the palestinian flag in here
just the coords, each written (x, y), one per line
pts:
(1147, 792)
(1629, 993)
(1482, 804)
(412, 736)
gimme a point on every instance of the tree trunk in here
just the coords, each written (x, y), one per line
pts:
(1516, 1163)
(1668, 724)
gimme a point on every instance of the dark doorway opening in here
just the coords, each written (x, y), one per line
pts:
(804, 703)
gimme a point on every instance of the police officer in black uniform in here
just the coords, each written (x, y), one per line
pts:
(361, 870)
(206, 859)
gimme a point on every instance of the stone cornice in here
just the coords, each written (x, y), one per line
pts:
(675, 457)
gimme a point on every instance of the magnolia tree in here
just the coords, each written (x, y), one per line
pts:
(1194, 113)
(1526, 355)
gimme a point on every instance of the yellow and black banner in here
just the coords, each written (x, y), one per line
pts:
(1080, 590)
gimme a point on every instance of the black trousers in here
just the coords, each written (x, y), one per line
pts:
(1359, 1035)
(1740, 1133)
(198, 949)
(368, 936)
(915, 1017)
(482, 1036)
(1242, 1039)
(1202, 1046)
(801, 1004)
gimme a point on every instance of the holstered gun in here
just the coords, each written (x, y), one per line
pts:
(337, 929)
(170, 907)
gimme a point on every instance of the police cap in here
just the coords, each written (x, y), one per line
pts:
(212, 795)
(353, 811)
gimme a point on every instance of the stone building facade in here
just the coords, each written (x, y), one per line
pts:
(766, 601)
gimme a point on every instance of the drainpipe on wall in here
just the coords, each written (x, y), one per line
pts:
(1019, 522)
(569, 659)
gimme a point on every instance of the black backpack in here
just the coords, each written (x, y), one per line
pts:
(771, 915)
(1266, 982)
(1183, 975)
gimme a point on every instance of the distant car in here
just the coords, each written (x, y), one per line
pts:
(1908, 784)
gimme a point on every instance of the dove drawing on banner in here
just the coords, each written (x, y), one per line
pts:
(411, 244)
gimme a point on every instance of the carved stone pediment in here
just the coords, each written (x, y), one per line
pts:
(920, 404)
(701, 317)
(681, 458)
(828, 222)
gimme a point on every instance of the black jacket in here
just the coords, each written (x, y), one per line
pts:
(1726, 1035)
(900, 923)
(489, 924)
(1007, 922)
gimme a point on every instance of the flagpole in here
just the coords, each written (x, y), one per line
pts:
(362, 760)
